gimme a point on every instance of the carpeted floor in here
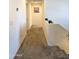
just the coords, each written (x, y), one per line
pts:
(35, 47)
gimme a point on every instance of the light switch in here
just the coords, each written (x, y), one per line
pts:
(17, 9)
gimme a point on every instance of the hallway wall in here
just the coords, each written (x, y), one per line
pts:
(37, 17)
(58, 12)
(17, 25)
(57, 35)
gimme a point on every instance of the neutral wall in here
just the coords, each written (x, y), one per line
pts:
(17, 25)
(57, 35)
(37, 17)
(58, 12)
(29, 18)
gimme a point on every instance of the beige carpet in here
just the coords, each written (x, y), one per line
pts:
(35, 47)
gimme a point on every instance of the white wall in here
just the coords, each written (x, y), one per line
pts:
(57, 35)
(57, 11)
(37, 17)
(17, 25)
